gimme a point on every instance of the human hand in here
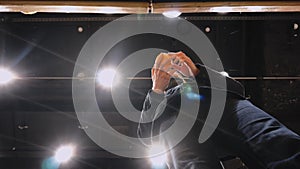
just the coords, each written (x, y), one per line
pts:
(182, 63)
(161, 73)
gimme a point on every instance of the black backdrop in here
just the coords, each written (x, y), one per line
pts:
(47, 45)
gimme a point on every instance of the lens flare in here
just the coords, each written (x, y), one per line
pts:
(64, 153)
(50, 163)
(107, 77)
(158, 156)
(6, 76)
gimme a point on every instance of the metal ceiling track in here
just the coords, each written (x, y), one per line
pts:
(103, 7)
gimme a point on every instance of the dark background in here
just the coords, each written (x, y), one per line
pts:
(47, 45)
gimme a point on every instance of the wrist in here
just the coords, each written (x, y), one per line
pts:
(198, 68)
(157, 90)
(195, 71)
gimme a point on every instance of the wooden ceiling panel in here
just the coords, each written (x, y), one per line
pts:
(122, 7)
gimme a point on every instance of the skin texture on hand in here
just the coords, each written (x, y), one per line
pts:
(163, 62)
(160, 80)
(161, 73)
(168, 65)
(183, 58)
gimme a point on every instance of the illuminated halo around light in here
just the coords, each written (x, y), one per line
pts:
(107, 77)
(158, 156)
(64, 153)
(172, 14)
(6, 76)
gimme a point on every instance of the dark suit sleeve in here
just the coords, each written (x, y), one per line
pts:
(153, 107)
(159, 112)
(161, 109)
(232, 86)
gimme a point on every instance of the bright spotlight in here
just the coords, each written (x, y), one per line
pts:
(158, 156)
(107, 77)
(172, 14)
(224, 74)
(6, 76)
(64, 153)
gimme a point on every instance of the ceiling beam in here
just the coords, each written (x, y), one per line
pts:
(31, 7)
(223, 7)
